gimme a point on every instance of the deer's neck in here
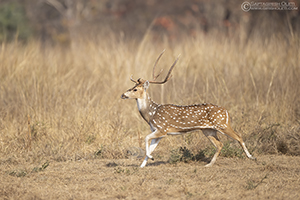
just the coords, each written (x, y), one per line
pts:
(147, 107)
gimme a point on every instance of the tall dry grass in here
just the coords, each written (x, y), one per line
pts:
(64, 104)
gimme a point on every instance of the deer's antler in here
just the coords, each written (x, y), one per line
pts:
(133, 79)
(169, 72)
(155, 76)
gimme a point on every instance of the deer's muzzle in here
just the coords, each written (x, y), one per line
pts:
(123, 96)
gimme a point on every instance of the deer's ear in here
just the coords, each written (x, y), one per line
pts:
(146, 85)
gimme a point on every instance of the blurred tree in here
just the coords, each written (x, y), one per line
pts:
(67, 21)
(71, 15)
(13, 22)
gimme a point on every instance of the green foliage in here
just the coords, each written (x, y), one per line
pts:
(179, 155)
(183, 154)
(98, 153)
(42, 168)
(13, 22)
(125, 170)
(18, 173)
(231, 151)
(25, 172)
(38, 130)
(252, 184)
(90, 139)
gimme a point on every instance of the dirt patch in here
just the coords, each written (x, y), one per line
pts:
(271, 177)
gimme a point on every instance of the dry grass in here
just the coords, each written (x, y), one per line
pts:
(64, 131)
(71, 98)
(64, 104)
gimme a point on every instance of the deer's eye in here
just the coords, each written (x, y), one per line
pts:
(134, 90)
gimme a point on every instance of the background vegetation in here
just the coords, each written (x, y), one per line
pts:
(65, 105)
(60, 91)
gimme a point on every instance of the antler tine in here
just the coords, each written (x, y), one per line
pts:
(133, 79)
(155, 77)
(168, 75)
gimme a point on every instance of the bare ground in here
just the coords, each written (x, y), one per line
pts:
(271, 177)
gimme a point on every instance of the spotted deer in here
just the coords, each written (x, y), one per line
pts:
(169, 119)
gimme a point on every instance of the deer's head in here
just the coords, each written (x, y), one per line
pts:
(137, 91)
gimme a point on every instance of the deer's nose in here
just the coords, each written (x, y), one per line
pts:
(123, 96)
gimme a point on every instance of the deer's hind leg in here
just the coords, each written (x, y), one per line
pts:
(211, 134)
(231, 133)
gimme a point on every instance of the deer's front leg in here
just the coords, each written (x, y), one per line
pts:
(152, 137)
(154, 142)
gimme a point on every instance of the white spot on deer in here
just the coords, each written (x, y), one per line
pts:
(226, 117)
